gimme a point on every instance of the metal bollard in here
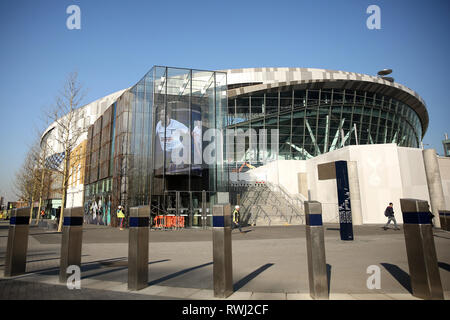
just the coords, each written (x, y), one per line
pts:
(315, 246)
(16, 250)
(420, 249)
(138, 248)
(71, 241)
(444, 217)
(222, 251)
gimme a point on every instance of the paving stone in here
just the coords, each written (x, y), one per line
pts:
(240, 296)
(203, 295)
(341, 296)
(268, 296)
(178, 292)
(266, 259)
(298, 296)
(402, 296)
(370, 296)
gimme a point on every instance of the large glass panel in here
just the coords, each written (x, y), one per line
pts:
(285, 101)
(271, 102)
(257, 102)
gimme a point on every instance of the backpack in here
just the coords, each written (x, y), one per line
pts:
(386, 213)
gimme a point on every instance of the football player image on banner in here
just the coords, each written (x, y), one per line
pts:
(170, 133)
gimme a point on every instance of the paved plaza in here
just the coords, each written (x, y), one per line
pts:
(269, 263)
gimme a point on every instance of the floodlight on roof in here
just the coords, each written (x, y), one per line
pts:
(384, 72)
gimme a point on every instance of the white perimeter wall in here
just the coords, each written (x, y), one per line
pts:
(444, 168)
(386, 174)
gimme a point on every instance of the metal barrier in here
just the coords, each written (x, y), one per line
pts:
(222, 251)
(138, 248)
(315, 246)
(71, 242)
(420, 249)
(16, 250)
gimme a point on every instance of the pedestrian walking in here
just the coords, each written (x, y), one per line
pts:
(237, 219)
(389, 213)
(121, 216)
(58, 215)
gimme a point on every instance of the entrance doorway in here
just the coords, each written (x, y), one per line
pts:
(182, 209)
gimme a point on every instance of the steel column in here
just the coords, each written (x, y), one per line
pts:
(315, 246)
(138, 248)
(420, 249)
(222, 251)
(72, 235)
(16, 250)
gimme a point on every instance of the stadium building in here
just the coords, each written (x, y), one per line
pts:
(265, 138)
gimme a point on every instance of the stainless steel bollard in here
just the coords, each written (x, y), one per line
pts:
(222, 251)
(71, 241)
(138, 248)
(16, 250)
(420, 249)
(444, 218)
(315, 246)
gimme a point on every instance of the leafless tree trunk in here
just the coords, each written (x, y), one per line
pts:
(67, 132)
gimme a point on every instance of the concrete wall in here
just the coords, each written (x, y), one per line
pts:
(386, 173)
(281, 172)
(444, 168)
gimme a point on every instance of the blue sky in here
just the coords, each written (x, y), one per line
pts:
(120, 40)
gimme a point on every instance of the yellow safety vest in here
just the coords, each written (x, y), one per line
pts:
(120, 214)
(235, 216)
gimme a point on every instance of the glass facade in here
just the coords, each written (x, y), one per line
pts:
(158, 145)
(164, 142)
(311, 122)
(175, 114)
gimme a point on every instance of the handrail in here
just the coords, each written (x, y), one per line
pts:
(293, 203)
(265, 213)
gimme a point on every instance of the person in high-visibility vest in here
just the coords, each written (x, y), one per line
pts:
(237, 219)
(121, 216)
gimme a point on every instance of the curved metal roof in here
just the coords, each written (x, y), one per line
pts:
(312, 78)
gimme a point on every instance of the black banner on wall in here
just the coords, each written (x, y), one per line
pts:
(345, 210)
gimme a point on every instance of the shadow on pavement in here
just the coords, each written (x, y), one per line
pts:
(238, 285)
(45, 253)
(176, 274)
(444, 266)
(45, 233)
(401, 276)
(115, 264)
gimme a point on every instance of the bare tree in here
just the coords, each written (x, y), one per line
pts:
(68, 127)
(25, 181)
(30, 179)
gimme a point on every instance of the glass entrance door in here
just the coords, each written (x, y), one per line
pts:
(182, 209)
(200, 201)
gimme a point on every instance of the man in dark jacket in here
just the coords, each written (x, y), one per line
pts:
(389, 212)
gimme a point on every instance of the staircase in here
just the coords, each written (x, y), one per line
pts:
(266, 204)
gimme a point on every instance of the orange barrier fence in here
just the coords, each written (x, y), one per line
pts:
(168, 222)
